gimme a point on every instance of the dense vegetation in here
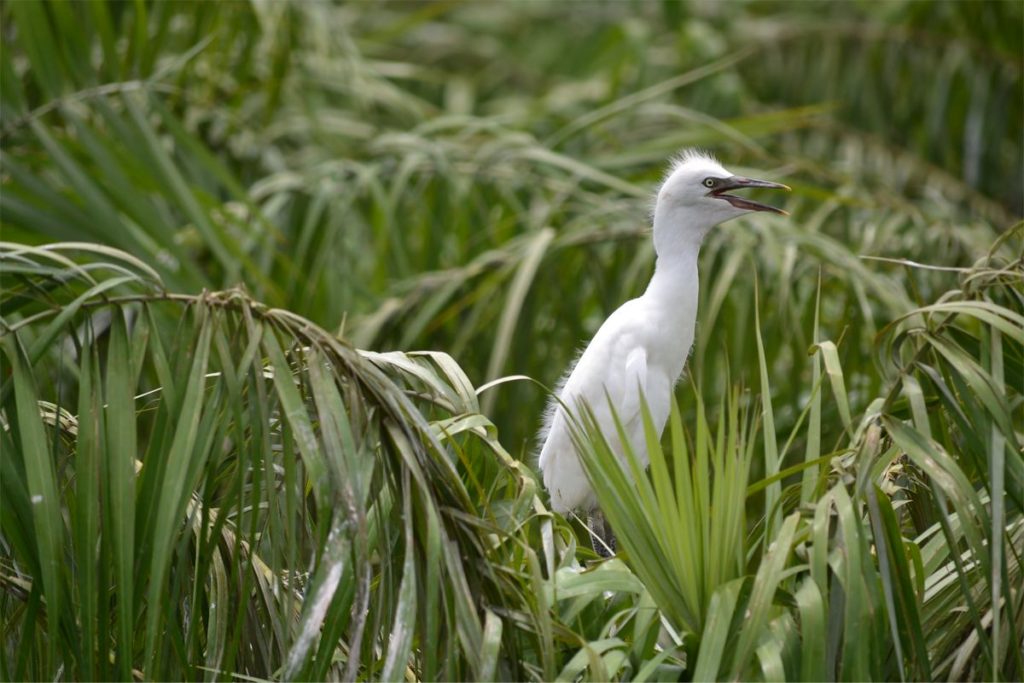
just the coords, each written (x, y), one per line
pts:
(266, 264)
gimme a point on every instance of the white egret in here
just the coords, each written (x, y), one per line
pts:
(643, 345)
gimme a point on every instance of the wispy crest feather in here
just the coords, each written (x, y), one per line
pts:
(688, 155)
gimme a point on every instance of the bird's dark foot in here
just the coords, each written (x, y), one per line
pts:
(601, 534)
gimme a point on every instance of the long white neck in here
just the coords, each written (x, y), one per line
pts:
(674, 288)
(674, 278)
(678, 232)
(677, 241)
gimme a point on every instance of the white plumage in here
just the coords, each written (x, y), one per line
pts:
(643, 345)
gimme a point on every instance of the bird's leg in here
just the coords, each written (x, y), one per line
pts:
(601, 533)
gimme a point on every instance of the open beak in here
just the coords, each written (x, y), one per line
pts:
(740, 183)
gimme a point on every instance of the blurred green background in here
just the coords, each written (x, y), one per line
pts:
(476, 177)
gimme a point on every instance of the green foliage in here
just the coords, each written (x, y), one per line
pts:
(272, 500)
(202, 476)
(860, 579)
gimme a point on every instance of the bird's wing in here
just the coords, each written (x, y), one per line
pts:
(651, 383)
(635, 386)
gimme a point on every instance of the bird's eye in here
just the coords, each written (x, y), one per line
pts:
(709, 182)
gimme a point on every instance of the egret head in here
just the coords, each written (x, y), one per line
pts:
(697, 195)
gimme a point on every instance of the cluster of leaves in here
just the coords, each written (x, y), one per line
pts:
(896, 555)
(424, 176)
(198, 484)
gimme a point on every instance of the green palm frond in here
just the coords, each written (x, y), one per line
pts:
(920, 522)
